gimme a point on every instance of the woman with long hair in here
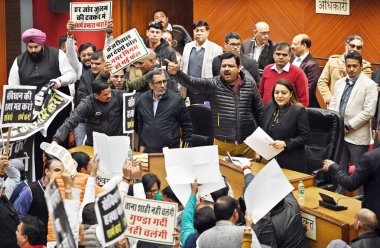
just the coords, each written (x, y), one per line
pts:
(285, 120)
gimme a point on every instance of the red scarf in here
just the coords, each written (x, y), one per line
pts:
(237, 84)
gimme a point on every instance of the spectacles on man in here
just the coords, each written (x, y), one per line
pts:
(236, 45)
(264, 33)
(352, 46)
(161, 82)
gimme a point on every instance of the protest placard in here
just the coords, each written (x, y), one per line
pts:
(50, 103)
(125, 50)
(62, 229)
(150, 220)
(129, 102)
(62, 154)
(112, 152)
(18, 105)
(89, 16)
(111, 217)
(23, 150)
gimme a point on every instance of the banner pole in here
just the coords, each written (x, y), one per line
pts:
(2, 139)
(8, 141)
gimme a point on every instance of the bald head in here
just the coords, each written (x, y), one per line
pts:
(301, 44)
(147, 63)
(262, 33)
(367, 219)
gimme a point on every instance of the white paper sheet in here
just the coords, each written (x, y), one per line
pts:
(112, 152)
(260, 142)
(184, 165)
(267, 189)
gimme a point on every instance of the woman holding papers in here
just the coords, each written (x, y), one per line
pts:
(285, 120)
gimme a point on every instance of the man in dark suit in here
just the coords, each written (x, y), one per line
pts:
(303, 59)
(367, 173)
(260, 48)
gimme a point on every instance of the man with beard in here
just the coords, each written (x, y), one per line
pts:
(38, 66)
(158, 44)
(236, 106)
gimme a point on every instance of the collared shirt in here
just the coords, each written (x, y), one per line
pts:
(350, 83)
(257, 51)
(285, 68)
(155, 104)
(298, 60)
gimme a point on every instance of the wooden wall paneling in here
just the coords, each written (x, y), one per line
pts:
(178, 11)
(288, 18)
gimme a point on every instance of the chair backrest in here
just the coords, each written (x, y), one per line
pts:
(201, 119)
(326, 137)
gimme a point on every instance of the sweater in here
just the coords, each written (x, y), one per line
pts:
(296, 77)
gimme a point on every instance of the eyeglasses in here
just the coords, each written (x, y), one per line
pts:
(234, 45)
(264, 33)
(152, 192)
(161, 82)
(352, 46)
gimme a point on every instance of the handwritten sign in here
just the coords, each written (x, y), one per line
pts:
(129, 100)
(49, 106)
(335, 7)
(18, 105)
(125, 50)
(151, 221)
(111, 217)
(62, 229)
(311, 225)
(90, 16)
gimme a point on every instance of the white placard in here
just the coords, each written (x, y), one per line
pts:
(125, 50)
(267, 189)
(89, 16)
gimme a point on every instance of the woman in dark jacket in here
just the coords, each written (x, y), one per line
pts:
(285, 120)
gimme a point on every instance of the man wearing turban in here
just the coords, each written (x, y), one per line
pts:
(38, 66)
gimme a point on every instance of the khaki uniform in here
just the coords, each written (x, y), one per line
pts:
(331, 74)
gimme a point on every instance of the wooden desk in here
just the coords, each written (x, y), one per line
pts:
(330, 224)
(86, 149)
(233, 173)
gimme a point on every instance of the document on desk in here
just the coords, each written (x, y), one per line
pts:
(183, 165)
(112, 152)
(267, 189)
(261, 142)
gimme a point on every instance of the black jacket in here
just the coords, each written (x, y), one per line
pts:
(367, 173)
(164, 51)
(293, 128)
(249, 64)
(367, 240)
(234, 116)
(162, 129)
(85, 88)
(99, 116)
(284, 229)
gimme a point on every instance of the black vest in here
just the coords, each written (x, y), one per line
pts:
(39, 73)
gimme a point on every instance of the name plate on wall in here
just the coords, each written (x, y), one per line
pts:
(311, 224)
(335, 7)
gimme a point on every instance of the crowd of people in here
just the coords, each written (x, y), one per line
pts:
(246, 84)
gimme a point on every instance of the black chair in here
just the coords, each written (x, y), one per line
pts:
(202, 125)
(326, 142)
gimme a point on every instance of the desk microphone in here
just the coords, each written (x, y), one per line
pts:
(329, 202)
